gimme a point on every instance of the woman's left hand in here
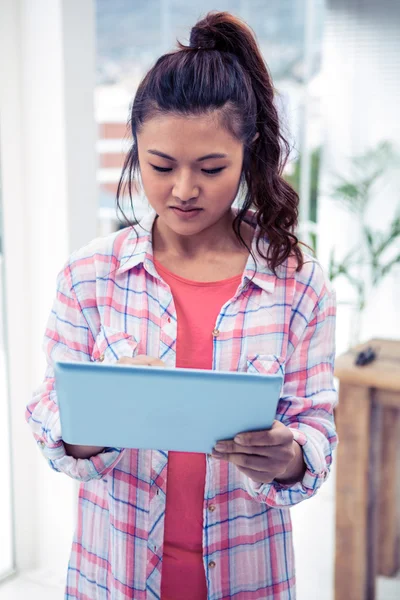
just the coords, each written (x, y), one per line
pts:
(265, 455)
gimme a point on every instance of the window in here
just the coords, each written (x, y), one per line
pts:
(131, 36)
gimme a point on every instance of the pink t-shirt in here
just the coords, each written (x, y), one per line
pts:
(198, 306)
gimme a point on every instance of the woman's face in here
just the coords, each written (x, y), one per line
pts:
(190, 169)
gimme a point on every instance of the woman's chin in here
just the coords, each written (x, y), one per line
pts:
(184, 226)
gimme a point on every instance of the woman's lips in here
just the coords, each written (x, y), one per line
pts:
(186, 213)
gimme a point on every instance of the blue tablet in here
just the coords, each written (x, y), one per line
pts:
(186, 410)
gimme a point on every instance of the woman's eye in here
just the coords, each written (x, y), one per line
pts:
(207, 171)
(161, 169)
(213, 171)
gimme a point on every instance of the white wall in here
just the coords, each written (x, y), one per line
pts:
(47, 148)
(6, 504)
(361, 103)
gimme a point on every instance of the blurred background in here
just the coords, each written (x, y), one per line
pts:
(68, 73)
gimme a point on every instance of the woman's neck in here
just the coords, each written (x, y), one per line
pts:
(218, 239)
(215, 255)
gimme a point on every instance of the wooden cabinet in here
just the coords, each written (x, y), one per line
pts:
(367, 515)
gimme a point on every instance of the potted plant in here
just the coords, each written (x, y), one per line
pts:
(376, 251)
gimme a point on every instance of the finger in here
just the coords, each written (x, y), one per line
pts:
(256, 475)
(124, 360)
(229, 447)
(134, 361)
(151, 361)
(157, 363)
(256, 463)
(276, 457)
(278, 434)
(141, 360)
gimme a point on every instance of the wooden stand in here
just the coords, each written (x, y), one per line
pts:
(368, 425)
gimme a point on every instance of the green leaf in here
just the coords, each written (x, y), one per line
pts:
(349, 194)
(367, 169)
(389, 266)
(369, 237)
(386, 239)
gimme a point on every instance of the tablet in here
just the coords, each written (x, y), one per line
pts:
(187, 410)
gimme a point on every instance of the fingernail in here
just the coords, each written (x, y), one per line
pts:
(238, 439)
(220, 446)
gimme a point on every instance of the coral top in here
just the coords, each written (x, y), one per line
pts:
(197, 306)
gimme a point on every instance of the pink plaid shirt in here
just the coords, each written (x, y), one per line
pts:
(110, 303)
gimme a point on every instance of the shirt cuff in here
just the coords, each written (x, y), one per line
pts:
(81, 469)
(279, 495)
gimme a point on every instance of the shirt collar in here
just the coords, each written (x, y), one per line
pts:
(137, 249)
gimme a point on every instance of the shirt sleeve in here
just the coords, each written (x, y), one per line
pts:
(307, 403)
(67, 337)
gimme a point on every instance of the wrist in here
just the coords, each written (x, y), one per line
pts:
(296, 468)
(82, 451)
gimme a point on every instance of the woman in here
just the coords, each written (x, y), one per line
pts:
(198, 284)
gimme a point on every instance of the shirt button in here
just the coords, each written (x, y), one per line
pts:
(101, 357)
(215, 332)
(212, 564)
(212, 507)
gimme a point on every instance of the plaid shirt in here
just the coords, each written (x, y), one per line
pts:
(110, 303)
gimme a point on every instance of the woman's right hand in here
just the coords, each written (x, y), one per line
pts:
(141, 359)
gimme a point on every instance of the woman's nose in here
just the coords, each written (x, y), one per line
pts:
(185, 188)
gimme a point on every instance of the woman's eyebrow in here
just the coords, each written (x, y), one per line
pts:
(213, 155)
(206, 157)
(158, 153)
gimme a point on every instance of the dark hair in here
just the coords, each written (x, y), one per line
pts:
(223, 69)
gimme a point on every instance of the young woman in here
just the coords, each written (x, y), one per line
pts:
(198, 284)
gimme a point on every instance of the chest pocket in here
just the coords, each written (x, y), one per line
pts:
(111, 345)
(266, 364)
